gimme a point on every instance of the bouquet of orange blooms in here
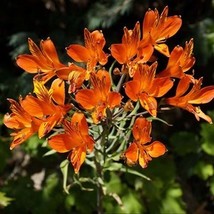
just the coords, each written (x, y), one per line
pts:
(98, 115)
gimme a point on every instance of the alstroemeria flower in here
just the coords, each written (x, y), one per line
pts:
(197, 95)
(157, 28)
(180, 61)
(43, 61)
(48, 105)
(92, 53)
(125, 52)
(145, 87)
(21, 121)
(75, 140)
(141, 150)
(99, 97)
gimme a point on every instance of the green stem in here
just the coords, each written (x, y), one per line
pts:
(100, 156)
(119, 85)
(100, 194)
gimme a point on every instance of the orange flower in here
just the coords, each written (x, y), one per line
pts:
(48, 105)
(197, 95)
(75, 140)
(99, 97)
(141, 150)
(92, 53)
(180, 61)
(157, 28)
(24, 124)
(145, 87)
(44, 60)
(125, 52)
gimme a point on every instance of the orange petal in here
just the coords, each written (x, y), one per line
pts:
(118, 51)
(174, 71)
(175, 56)
(86, 98)
(132, 89)
(162, 48)
(21, 136)
(148, 103)
(148, 22)
(58, 95)
(28, 63)
(141, 130)
(48, 124)
(63, 73)
(114, 99)
(62, 143)
(79, 120)
(160, 86)
(33, 106)
(104, 78)
(131, 154)
(183, 86)
(170, 27)
(200, 114)
(144, 158)
(44, 63)
(49, 50)
(155, 149)
(205, 95)
(77, 157)
(78, 53)
(10, 120)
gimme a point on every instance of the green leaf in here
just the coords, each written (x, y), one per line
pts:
(32, 144)
(131, 203)
(185, 143)
(203, 170)
(172, 202)
(120, 167)
(211, 185)
(207, 133)
(4, 200)
(64, 169)
(51, 152)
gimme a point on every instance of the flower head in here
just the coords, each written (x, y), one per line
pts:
(157, 28)
(21, 121)
(48, 105)
(180, 61)
(145, 87)
(75, 140)
(141, 150)
(99, 97)
(185, 99)
(44, 60)
(92, 53)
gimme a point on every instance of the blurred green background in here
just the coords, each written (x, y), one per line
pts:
(182, 181)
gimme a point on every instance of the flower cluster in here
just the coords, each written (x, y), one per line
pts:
(83, 107)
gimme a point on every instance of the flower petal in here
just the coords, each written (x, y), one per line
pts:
(86, 98)
(58, 95)
(77, 157)
(78, 53)
(148, 103)
(131, 154)
(155, 149)
(132, 89)
(62, 143)
(114, 99)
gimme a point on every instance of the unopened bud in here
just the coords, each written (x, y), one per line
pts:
(128, 106)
